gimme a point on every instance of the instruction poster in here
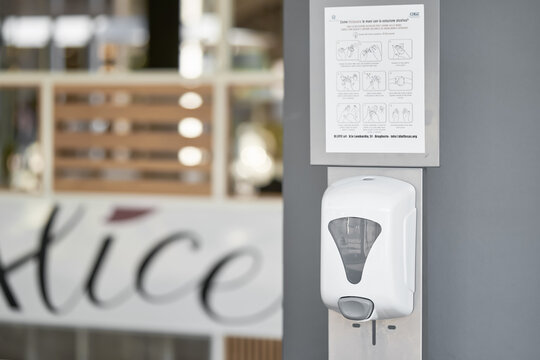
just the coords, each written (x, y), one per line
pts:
(374, 75)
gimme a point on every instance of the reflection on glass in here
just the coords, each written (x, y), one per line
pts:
(190, 156)
(190, 127)
(73, 35)
(190, 100)
(73, 31)
(20, 153)
(200, 33)
(191, 59)
(256, 138)
(27, 31)
(256, 37)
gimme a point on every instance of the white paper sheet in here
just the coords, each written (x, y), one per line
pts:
(374, 75)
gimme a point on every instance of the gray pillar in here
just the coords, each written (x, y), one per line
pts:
(305, 319)
(482, 205)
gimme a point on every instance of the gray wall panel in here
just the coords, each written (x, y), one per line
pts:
(482, 205)
(305, 317)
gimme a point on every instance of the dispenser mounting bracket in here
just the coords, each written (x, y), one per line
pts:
(399, 338)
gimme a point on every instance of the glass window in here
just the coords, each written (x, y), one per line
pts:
(73, 35)
(20, 151)
(256, 159)
(256, 36)
(200, 34)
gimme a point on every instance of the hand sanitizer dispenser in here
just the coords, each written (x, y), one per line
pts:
(368, 241)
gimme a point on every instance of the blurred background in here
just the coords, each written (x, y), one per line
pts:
(123, 122)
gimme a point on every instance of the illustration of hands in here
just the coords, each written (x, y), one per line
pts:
(401, 113)
(348, 113)
(374, 113)
(347, 50)
(348, 81)
(406, 115)
(400, 80)
(400, 49)
(374, 80)
(370, 51)
(395, 115)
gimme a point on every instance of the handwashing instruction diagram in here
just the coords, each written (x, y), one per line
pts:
(348, 81)
(400, 113)
(348, 113)
(374, 113)
(400, 49)
(374, 79)
(370, 51)
(400, 80)
(347, 50)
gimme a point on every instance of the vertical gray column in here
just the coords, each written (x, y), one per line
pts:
(483, 204)
(305, 321)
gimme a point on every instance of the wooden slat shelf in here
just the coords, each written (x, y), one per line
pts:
(151, 113)
(138, 90)
(153, 110)
(142, 165)
(135, 141)
(240, 348)
(136, 186)
(173, 121)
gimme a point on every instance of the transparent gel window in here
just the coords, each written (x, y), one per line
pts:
(354, 238)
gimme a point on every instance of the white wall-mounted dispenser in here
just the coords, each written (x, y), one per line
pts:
(368, 241)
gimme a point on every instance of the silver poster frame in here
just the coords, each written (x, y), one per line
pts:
(319, 156)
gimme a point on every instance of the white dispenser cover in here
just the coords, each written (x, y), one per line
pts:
(368, 241)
